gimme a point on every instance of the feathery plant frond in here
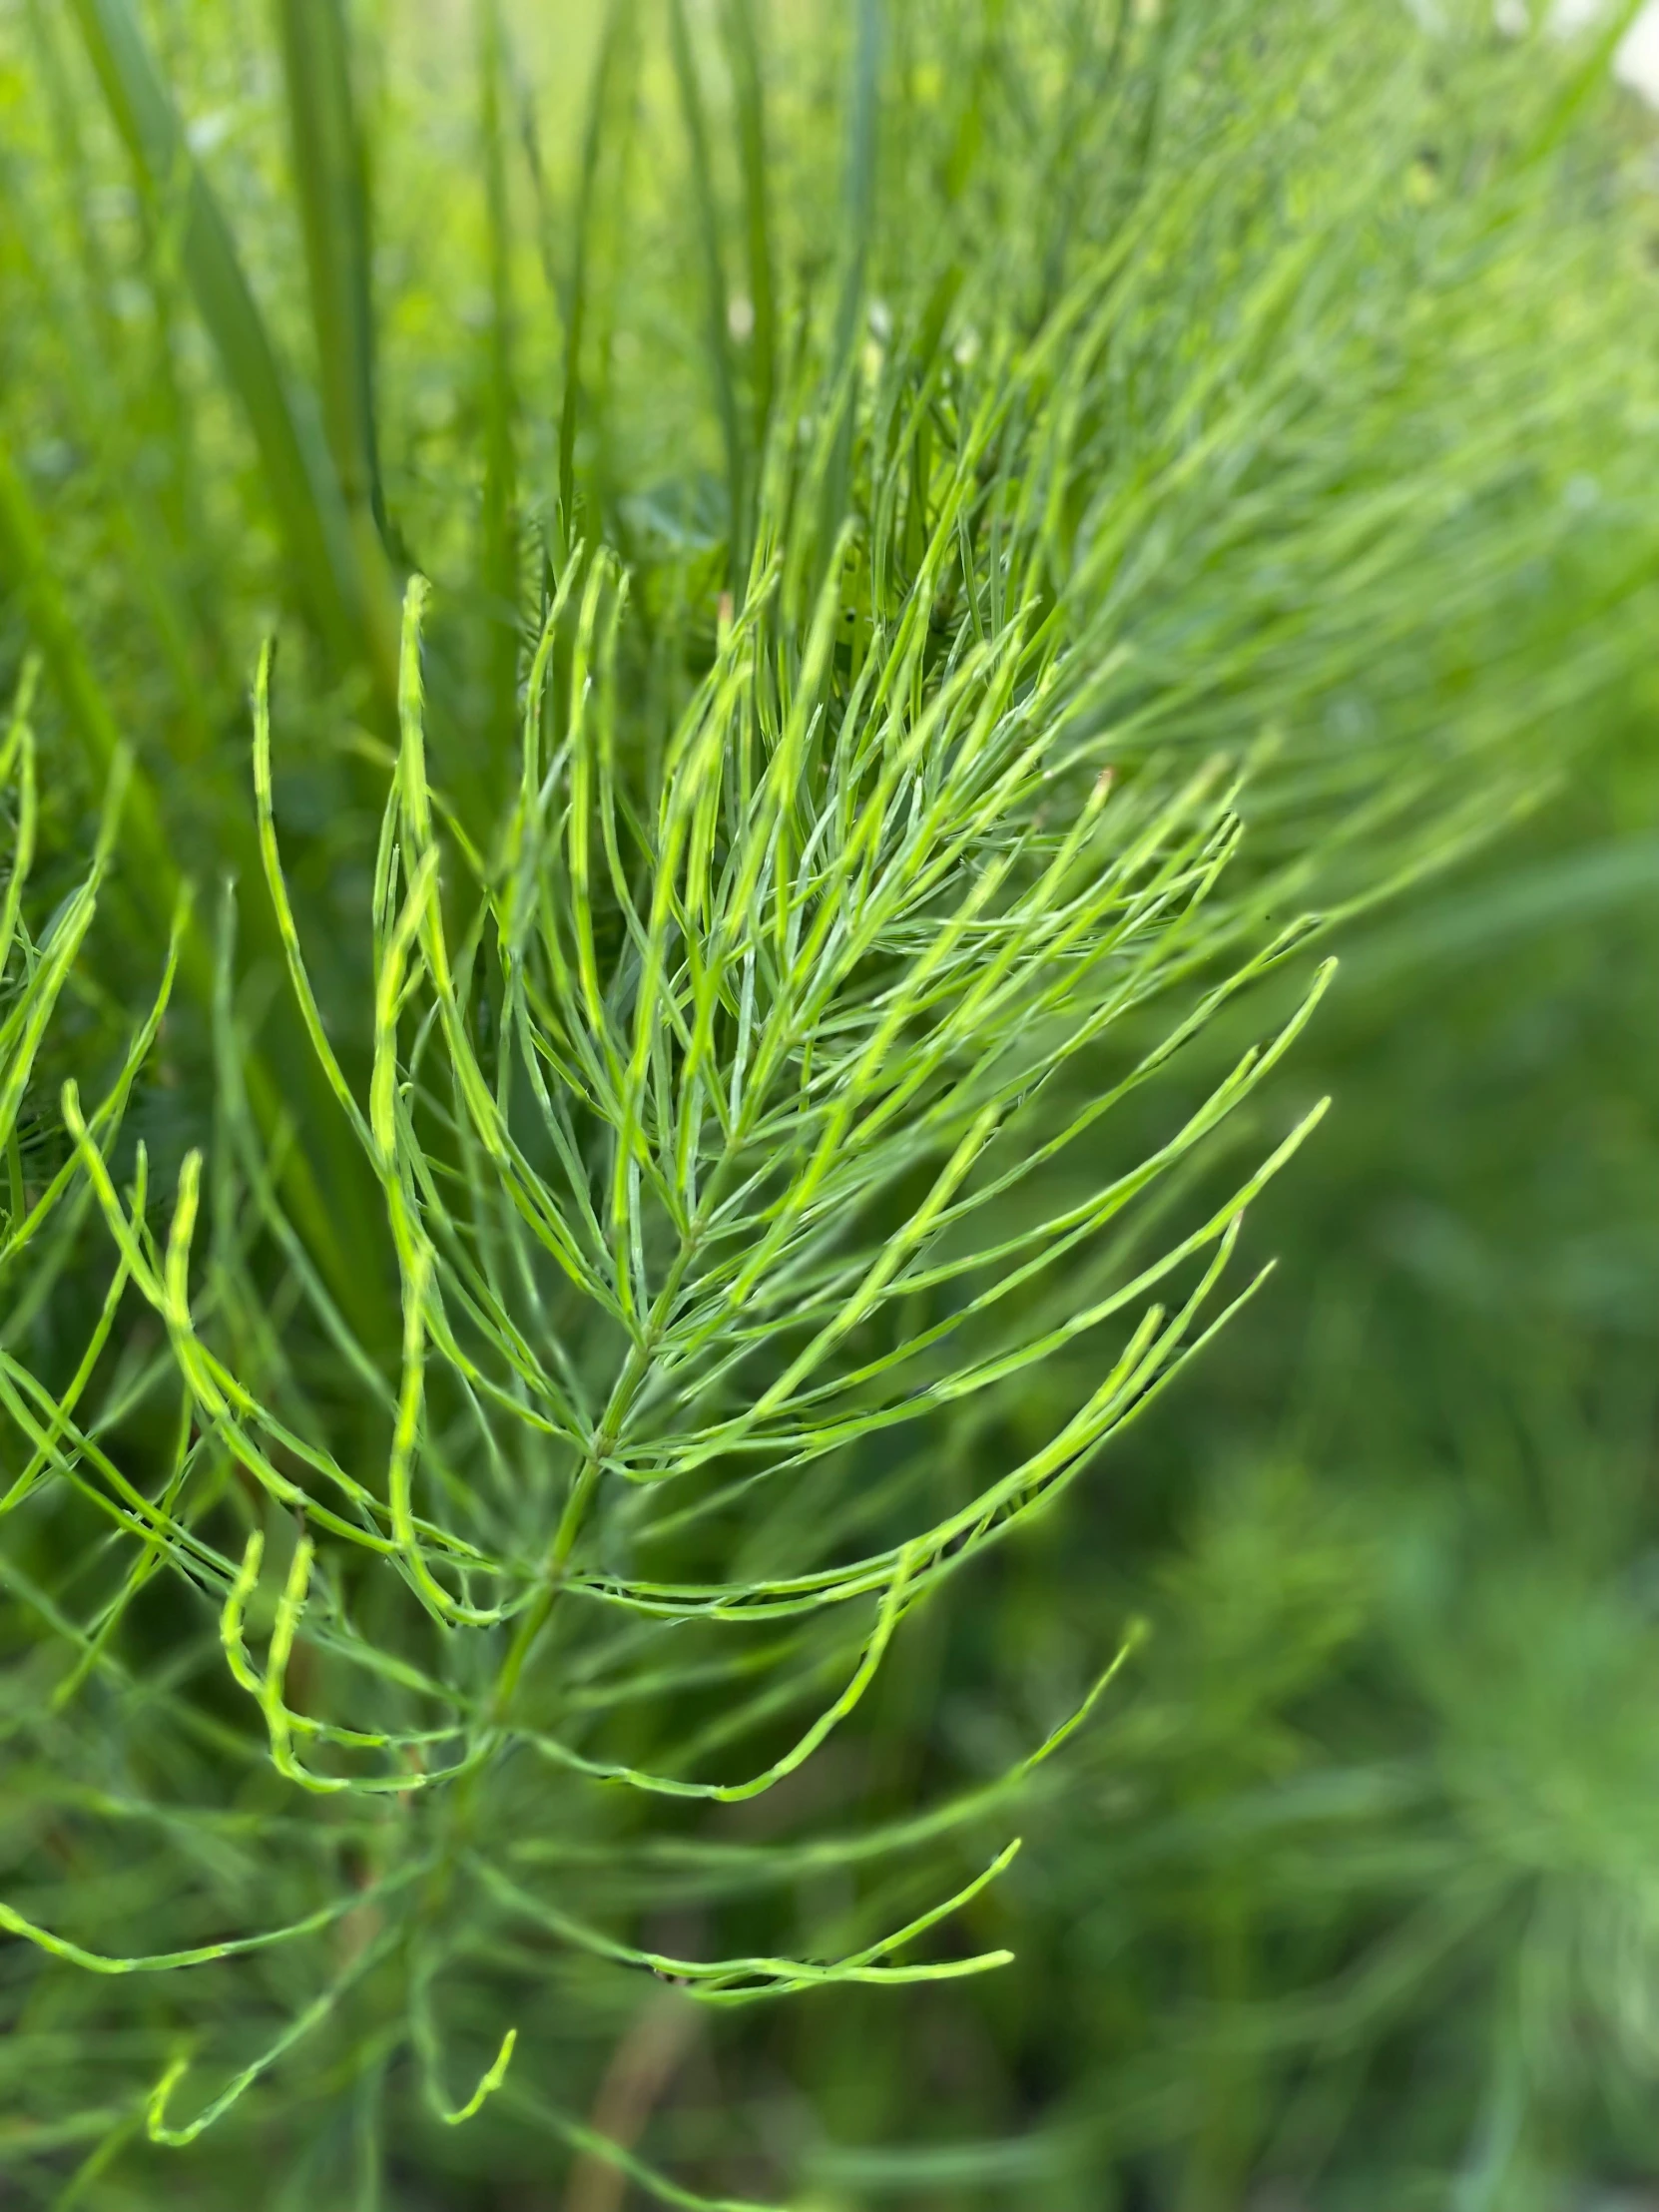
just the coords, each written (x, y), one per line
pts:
(713, 1121)
(34, 972)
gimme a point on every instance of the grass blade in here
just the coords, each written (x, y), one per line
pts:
(332, 190)
(345, 592)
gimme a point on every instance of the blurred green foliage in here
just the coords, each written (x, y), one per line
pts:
(1345, 1896)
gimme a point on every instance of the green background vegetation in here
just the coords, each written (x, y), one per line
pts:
(1317, 349)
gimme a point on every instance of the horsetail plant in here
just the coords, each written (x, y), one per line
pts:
(716, 1121)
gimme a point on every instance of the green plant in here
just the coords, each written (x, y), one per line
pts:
(689, 1206)
(702, 1174)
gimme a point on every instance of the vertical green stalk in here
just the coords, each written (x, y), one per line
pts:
(744, 61)
(859, 201)
(859, 191)
(716, 306)
(498, 564)
(619, 20)
(331, 183)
